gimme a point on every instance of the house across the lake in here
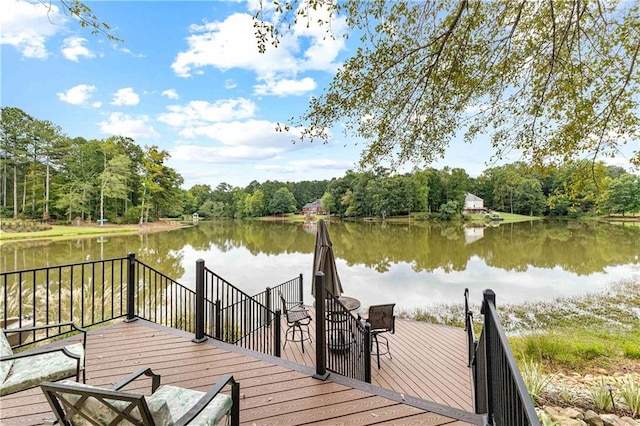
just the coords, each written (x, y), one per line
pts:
(313, 208)
(473, 204)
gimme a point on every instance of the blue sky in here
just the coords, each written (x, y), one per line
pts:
(189, 79)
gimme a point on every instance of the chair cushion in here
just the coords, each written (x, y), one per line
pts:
(5, 350)
(97, 411)
(180, 400)
(30, 371)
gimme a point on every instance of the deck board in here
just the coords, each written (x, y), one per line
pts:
(273, 391)
(429, 362)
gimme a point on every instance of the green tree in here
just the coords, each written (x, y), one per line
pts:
(551, 79)
(113, 180)
(255, 207)
(421, 191)
(328, 203)
(211, 209)
(79, 171)
(622, 195)
(283, 201)
(161, 186)
(528, 197)
(240, 201)
(16, 126)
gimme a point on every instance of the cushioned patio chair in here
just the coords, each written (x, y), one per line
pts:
(80, 404)
(297, 318)
(382, 320)
(26, 370)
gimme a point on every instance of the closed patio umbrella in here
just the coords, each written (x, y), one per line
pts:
(324, 260)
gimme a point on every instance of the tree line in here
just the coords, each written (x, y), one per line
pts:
(572, 189)
(46, 174)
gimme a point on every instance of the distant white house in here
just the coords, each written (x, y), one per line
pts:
(473, 204)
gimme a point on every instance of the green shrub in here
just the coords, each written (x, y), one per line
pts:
(631, 350)
(601, 396)
(630, 391)
(590, 350)
(535, 380)
(542, 347)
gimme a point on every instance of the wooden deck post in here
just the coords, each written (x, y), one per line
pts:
(131, 287)
(321, 344)
(199, 337)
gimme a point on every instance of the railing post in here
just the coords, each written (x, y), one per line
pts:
(218, 334)
(301, 290)
(267, 303)
(277, 334)
(488, 296)
(200, 337)
(367, 352)
(321, 368)
(131, 287)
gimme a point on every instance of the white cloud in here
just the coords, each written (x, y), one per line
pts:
(237, 141)
(306, 166)
(77, 95)
(128, 126)
(73, 49)
(125, 96)
(244, 133)
(230, 84)
(232, 44)
(170, 93)
(222, 155)
(96, 104)
(26, 26)
(199, 113)
(285, 87)
(120, 48)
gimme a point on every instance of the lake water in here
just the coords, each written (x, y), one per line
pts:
(414, 265)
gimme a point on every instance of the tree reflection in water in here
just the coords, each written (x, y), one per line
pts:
(416, 264)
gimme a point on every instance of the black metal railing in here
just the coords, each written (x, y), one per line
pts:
(162, 300)
(292, 290)
(91, 293)
(233, 316)
(87, 293)
(343, 343)
(472, 342)
(499, 391)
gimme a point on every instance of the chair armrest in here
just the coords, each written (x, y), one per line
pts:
(155, 379)
(64, 350)
(393, 324)
(73, 325)
(208, 397)
(44, 326)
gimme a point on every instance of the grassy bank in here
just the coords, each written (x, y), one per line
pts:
(61, 232)
(582, 334)
(506, 218)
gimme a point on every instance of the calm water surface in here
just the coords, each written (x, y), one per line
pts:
(413, 265)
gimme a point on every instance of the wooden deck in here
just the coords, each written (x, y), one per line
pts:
(429, 362)
(273, 390)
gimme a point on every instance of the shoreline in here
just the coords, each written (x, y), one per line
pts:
(89, 230)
